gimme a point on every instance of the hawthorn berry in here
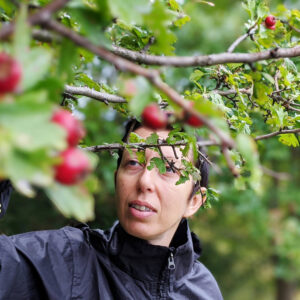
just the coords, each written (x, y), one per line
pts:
(73, 127)
(154, 117)
(270, 22)
(10, 73)
(74, 166)
(193, 121)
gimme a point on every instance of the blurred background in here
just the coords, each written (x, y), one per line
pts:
(251, 242)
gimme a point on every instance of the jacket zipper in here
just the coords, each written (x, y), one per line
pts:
(171, 262)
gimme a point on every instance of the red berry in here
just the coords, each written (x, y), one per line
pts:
(270, 22)
(73, 127)
(154, 117)
(194, 121)
(73, 167)
(10, 73)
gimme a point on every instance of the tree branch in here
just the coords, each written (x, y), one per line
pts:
(274, 174)
(206, 60)
(231, 91)
(85, 91)
(118, 146)
(249, 32)
(151, 75)
(266, 136)
(42, 16)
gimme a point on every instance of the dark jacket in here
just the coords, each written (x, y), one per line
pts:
(81, 263)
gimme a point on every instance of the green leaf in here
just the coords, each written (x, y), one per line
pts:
(141, 156)
(135, 138)
(196, 75)
(289, 139)
(159, 163)
(158, 22)
(72, 201)
(28, 122)
(143, 97)
(269, 77)
(182, 179)
(67, 58)
(22, 37)
(152, 139)
(181, 21)
(130, 11)
(290, 65)
(35, 66)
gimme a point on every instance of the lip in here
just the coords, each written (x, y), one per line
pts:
(142, 203)
(141, 214)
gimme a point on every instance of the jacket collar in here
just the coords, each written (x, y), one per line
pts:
(147, 262)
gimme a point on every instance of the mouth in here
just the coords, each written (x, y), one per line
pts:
(143, 207)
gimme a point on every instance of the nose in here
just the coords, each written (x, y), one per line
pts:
(146, 181)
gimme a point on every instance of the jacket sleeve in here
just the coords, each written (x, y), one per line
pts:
(5, 192)
(36, 265)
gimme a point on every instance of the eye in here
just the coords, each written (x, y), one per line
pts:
(169, 169)
(132, 163)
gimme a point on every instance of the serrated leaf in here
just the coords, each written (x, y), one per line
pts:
(158, 21)
(135, 138)
(289, 139)
(159, 163)
(72, 201)
(141, 156)
(152, 139)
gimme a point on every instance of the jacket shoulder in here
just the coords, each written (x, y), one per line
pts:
(207, 282)
(32, 258)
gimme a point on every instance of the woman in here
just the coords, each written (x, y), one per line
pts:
(149, 254)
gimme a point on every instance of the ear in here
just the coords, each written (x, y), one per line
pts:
(195, 203)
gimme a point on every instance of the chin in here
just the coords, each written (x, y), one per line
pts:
(139, 230)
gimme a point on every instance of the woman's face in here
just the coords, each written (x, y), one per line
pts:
(149, 204)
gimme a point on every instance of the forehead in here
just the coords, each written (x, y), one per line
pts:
(145, 132)
(167, 151)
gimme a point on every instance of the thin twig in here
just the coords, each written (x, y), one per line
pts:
(291, 26)
(274, 174)
(249, 32)
(230, 163)
(85, 91)
(118, 146)
(231, 91)
(266, 136)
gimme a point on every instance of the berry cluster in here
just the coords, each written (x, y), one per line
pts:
(74, 165)
(156, 118)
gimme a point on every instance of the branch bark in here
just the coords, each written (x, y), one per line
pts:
(103, 97)
(118, 146)
(266, 136)
(206, 60)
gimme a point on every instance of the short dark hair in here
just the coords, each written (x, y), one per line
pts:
(201, 164)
